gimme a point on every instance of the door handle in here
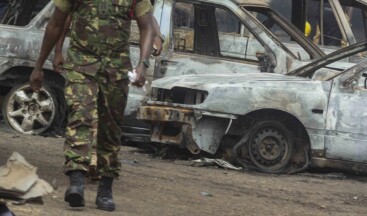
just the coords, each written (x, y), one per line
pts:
(317, 111)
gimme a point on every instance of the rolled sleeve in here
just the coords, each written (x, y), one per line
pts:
(142, 7)
(63, 5)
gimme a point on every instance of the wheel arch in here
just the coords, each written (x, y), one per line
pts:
(288, 119)
(242, 126)
(20, 74)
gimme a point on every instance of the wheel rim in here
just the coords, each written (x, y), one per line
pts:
(269, 148)
(29, 112)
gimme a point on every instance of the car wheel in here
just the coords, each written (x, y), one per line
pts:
(270, 146)
(28, 112)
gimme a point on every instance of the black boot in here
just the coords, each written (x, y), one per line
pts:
(75, 193)
(104, 200)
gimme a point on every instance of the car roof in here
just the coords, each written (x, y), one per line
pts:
(329, 59)
(252, 2)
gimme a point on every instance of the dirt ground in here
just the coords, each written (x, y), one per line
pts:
(150, 186)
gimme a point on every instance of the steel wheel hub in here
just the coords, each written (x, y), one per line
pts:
(30, 112)
(268, 147)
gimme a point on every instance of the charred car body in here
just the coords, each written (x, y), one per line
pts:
(197, 41)
(272, 121)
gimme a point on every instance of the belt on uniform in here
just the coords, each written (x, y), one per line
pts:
(110, 54)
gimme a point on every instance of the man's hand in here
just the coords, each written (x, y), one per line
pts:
(36, 79)
(157, 46)
(140, 76)
(58, 62)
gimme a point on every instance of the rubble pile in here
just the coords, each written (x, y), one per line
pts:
(19, 182)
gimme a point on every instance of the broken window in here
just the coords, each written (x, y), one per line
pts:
(183, 27)
(319, 18)
(323, 24)
(235, 40)
(20, 12)
(357, 19)
(207, 30)
(272, 22)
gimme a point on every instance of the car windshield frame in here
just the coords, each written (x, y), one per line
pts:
(313, 50)
(309, 69)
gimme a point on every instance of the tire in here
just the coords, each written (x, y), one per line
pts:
(28, 112)
(270, 146)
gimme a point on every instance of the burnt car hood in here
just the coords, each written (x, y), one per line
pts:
(207, 80)
(237, 95)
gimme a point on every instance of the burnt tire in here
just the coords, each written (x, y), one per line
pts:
(28, 112)
(270, 146)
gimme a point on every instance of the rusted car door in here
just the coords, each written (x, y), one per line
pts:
(346, 130)
(208, 38)
(202, 45)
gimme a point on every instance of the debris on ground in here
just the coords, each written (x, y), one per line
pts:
(325, 176)
(19, 182)
(130, 162)
(206, 194)
(213, 162)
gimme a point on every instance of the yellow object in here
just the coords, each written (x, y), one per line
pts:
(307, 29)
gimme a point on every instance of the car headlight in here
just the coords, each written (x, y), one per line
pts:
(179, 95)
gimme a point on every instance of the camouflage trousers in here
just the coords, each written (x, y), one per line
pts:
(93, 133)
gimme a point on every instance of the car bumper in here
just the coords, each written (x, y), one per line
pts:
(171, 125)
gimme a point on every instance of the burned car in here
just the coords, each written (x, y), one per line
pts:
(203, 36)
(273, 122)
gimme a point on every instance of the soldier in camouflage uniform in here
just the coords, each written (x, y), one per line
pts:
(96, 84)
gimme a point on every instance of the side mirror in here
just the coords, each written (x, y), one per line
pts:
(265, 62)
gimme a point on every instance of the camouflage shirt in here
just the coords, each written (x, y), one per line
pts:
(99, 35)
